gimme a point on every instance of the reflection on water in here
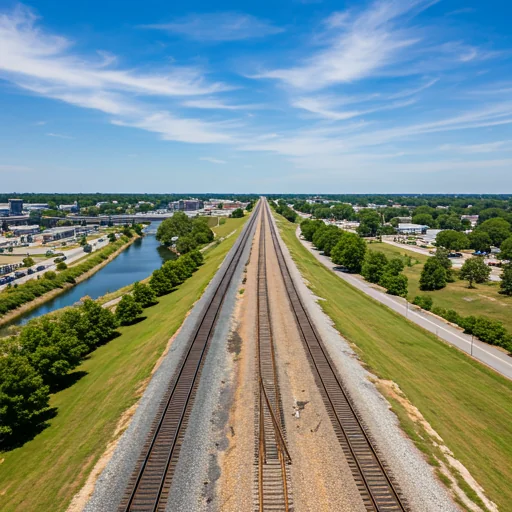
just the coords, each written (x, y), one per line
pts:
(134, 264)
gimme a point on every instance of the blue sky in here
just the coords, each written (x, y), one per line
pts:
(296, 96)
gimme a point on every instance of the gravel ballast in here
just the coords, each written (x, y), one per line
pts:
(414, 475)
(194, 464)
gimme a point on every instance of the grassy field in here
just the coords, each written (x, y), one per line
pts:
(469, 405)
(230, 225)
(46, 472)
(485, 299)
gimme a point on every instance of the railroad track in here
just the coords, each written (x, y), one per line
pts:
(149, 485)
(272, 456)
(377, 487)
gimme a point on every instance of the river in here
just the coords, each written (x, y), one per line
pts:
(134, 264)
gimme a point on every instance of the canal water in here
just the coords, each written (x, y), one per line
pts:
(134, 264)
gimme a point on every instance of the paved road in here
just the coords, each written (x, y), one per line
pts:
(72, 255)
(485, 353)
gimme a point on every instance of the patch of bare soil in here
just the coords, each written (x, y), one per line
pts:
(449, 465)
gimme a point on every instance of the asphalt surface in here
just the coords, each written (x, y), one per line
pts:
(71, 255)
(487, 354)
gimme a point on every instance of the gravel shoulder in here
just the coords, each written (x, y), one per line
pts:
(415, 476)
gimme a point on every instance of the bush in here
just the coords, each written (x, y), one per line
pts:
(159, 283)
(350, 252)
(506, 280)
(424, 302)
(23, 395)
(87, 248)
(395, 284)
(128, 310)
(144, 295)
(237, 214)
(433, 275)
(373, 266)
(61, 266)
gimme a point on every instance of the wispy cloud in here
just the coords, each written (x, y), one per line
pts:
(217, 27)
(39, 123)
(59, 135)
(488, 147)
(358, 46)
(212, 160)
(216, 104)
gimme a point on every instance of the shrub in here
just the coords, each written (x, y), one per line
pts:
(61, 266)
(424, 302)
(144, 295)
(350, 252)
(433, 275)
(373, 266)
(87, 248)
(395, 284)
(128, 310)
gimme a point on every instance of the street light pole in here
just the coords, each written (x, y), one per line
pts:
(472, 339)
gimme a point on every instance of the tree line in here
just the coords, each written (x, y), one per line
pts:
(184, 233)
(38, 360)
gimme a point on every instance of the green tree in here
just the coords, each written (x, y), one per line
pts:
(326, 238)
(160, 283)
(51, 349)
(394, 267)
(237, 214)
(373, 266)
(128, 310)
(424, 219)
(61, 266)
(23, 395)
(197, 256)
(112, 238)
(178, 225)
(343, 212)
(506, 280)
(28, 261)
(395, 284)
(5, 226)
(475, 270)
(480, 241)
(83, 241)
(87, 248)
(441, 255)
(449, 222)
(186, 244)
(506, 249)
(309, 227)
(452, 240)
(369, 222)
(350, 252)
(433, 275)
(144, 295)
(498, 230)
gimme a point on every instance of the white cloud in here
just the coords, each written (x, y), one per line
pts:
(59, 136)
(488, 147)
(359, 46)
(212, 160)
(29, 56)
(216, 104)
(216, 27)
(39, 123)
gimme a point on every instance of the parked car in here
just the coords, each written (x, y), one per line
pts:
(455, 255)
(19, 274)
(3, 280)
(40, 268)
(101, 240)
(30, 271)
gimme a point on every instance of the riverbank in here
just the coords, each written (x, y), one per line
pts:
(33, 304)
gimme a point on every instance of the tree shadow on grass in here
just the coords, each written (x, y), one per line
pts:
(23, 435)
(135, 321)
(68, 381)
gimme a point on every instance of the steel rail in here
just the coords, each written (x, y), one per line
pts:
(274, 491)
(376, 486)
(149, 486)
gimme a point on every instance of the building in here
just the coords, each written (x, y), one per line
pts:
(34, 207)
(430, 236)
(73, 208)
(52, 234)
(15, 206)
(411, 229)
(24, 230)
(4, 210)
(472, 218)
(186, 205)
(404, 220)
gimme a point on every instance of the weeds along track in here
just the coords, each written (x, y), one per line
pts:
(150, 483)
(273, 491)
(377, 487)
